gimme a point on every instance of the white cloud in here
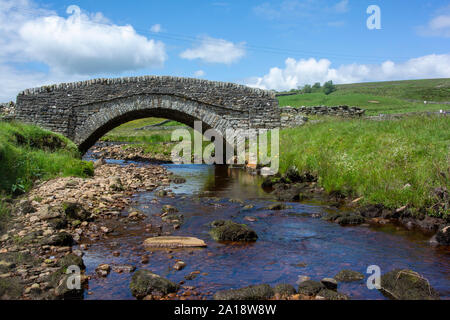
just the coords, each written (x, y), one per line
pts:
(156, 28)
(65, 49)
(215, 51)
(83, 44)
(308, 71)
(199, 73)
(437, 27)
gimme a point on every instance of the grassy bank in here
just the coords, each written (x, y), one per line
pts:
(28, 153)
(396, 162)
(380, 97)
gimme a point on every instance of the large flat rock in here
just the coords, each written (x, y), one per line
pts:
(174, 242)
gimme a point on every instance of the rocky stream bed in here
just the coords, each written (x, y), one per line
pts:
(139, 230)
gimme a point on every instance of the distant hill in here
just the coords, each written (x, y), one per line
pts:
(380, 97)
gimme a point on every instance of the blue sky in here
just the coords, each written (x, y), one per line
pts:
(267, 44)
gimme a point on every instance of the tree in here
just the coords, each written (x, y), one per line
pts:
(316, 85)
(329, 87)
(307, 88)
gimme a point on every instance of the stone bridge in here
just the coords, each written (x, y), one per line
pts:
(85, 111)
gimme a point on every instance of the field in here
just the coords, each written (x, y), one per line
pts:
(392, 162)
(380, 97)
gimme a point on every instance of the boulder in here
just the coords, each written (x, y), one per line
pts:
(63, 291)
(407, 285)
(443, 236)
(350, 220)
(349, 276)
(284, 290)
(259, 292)
(330, 283)
(75, 211)
(174, 242)
(310, 288)
(25, 207)
(71, 260)
(48, 213)
(231, 231)
(144, 283)
(61, 239)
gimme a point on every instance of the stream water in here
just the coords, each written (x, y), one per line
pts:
(291, 242)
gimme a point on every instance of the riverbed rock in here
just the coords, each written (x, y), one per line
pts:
(173, 242)
(75, 211)
(47, 212)
(328, 294)
(25, 207)
(349, 276)
(180, 265)
(284, 290)
(71, 260)
(259, 292)
(144, 283)
(58, 223)
(124, 268)
(330, 283)
(231, 231)
(443, 236)
(173, 219)
(103, 270)
(278, 207)
(60, 239)
(66, 292)
(98, 163)
(350, 220)
(169, 209)
(407, 285)
(310, 288)
(10, 288)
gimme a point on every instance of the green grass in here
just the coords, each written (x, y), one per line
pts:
(380, 97)
(28, 153)
(374, 159)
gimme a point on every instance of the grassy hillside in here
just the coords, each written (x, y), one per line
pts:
(395, 162)
(28, 153)
(380, 97)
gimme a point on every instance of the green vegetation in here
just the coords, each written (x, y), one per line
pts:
(393, 162)
(380, 97)
(28, 153)
(329, 88)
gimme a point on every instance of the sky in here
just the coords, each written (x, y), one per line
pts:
(273, 45)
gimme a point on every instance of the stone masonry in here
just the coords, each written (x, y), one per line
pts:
(85, 111)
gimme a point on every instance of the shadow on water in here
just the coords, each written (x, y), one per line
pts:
(291, 242)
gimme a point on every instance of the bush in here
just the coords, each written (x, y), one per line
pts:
(329, 87)
(307, 89)
(316, 86)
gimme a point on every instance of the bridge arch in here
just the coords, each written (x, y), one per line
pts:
(119, 111)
